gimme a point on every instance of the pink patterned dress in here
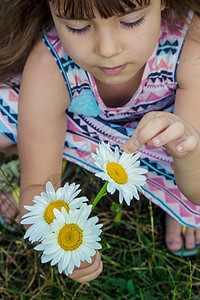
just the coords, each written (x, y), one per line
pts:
(91, 121)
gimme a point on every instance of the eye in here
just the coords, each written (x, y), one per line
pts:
(78, 30)
(133, 24)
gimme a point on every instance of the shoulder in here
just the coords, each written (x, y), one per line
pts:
(189, 65)
(41, 76)
(41, 60)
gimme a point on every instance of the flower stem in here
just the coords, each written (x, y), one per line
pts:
(101, 193)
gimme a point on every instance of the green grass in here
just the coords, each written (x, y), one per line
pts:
(137, 264)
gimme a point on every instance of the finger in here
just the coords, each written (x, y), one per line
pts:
(90, 276)
(173, 132)
(145, 132)
(187, 145)
(87, 269)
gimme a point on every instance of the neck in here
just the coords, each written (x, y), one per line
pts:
(117, 95)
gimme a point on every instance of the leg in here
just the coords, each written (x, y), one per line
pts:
(173, 237)
(7, 147)
(8, 206)
(9, 93)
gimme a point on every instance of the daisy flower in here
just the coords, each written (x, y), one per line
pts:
(41, 214)
(121, 172)
(74, 238)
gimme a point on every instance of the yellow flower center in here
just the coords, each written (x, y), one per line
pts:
(117, 172)
(70, 237)
(48, 213)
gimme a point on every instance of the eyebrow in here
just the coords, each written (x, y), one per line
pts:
(87, 19)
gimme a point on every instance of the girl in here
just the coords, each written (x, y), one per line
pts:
(123, 71)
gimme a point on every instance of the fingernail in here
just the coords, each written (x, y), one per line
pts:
(124, 145)
(128, 145)
(180, 148)
(136, 142)
(125, 149)
(157, 141)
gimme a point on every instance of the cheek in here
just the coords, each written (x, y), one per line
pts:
(146, 44)
(79, 57)
(77, 51)
(70, 44)
(142, 50)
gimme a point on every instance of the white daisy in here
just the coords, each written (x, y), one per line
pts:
(74, 238)
(41, 214)
(122, 172)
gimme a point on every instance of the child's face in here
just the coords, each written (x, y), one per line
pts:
(113, 50)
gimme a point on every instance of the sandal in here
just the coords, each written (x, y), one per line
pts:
(184, 252)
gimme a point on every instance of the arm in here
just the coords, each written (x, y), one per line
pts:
(187, 107)
(179, 133)
(41, 135)
(41, 124)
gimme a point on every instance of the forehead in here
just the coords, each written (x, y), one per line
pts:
(80, 9)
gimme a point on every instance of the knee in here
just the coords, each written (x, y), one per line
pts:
(5, 146)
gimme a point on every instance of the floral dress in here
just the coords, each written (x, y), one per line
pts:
(90, 121)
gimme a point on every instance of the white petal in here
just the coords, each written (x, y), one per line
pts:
(41, 199)
(90, 223)
(93, 245)
(52, 249)
(50, 238)
(91, 237)
(102, 175)
(59, 194)
(66, 259)
(85, 212)
(111, 187)
(127, 198)
(89, 259)
(88, 252)
(29, 220)
(50, 188)
(120, 197)
(76, 258)
(39, 247)
(57, 256)
(59, 216)
(47, 258)
(70, 267)
(80, 253)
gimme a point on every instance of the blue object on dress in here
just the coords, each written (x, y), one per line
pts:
(85, 104)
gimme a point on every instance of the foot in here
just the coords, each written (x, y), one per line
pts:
(173, 235)
(8, 208)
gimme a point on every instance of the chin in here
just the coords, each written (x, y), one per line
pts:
(113, 80)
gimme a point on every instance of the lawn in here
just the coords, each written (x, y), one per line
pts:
(137, 264)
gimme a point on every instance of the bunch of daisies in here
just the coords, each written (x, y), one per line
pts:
(60, 220)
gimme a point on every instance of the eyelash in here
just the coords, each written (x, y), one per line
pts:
(134, 24)
(84, 29)
(78, 31)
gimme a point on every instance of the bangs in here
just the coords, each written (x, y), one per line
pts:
(80, 9)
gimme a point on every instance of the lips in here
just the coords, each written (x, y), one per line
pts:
(113, 71)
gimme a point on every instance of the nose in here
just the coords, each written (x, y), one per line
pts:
(107, 44)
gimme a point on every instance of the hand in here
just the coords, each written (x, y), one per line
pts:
(87, 272)
(158, 129)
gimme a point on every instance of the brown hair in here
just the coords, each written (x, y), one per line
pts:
(78, 9)
(21, 22)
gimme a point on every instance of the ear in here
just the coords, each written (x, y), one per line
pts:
(163, 5)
